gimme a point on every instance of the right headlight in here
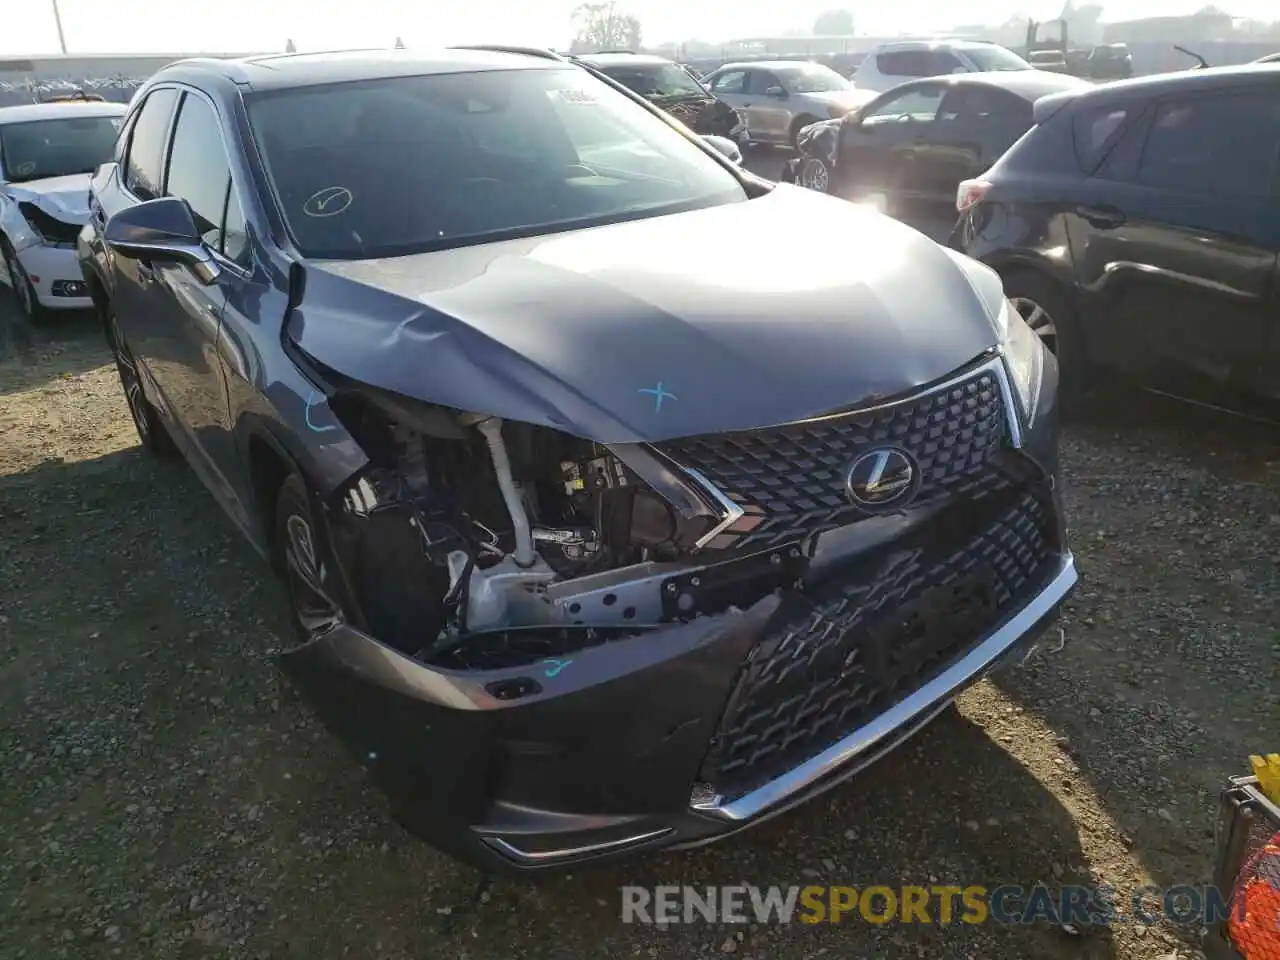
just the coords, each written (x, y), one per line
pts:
(1023, 354)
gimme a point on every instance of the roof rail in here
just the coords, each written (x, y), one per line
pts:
(504, 48)
(79, 96)
(613, 51)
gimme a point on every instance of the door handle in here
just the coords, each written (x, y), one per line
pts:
(1104, 217)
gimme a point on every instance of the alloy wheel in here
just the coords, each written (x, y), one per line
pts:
(21, 286)
(814, 175)
(139, 407)
(315, 609)
(1039, 320)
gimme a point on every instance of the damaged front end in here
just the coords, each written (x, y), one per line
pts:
(564, 650)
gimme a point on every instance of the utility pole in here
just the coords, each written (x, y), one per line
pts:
(57, 18)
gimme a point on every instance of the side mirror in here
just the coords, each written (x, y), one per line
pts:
(725, 146)
(778, 92)
(163, 230)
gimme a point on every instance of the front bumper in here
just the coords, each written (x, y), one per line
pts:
(603, 760)
(54, 270)
(597, 743)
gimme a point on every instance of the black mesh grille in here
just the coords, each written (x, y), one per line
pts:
(887, 628)
(791, 479)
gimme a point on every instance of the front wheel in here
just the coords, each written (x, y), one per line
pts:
(29, 309)
(1044, 306)
(154, 437)
(302, 553)
(814, 175)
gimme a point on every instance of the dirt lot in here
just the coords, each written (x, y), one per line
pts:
(161, 795)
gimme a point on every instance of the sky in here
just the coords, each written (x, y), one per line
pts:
(241, 26)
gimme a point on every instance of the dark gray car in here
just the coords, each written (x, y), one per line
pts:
(599, 537)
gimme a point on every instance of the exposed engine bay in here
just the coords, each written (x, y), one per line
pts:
(464, 524)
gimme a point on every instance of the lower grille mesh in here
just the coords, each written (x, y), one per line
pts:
(863, 645)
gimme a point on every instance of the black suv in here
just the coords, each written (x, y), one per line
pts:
(1137, 225)
(671, 87)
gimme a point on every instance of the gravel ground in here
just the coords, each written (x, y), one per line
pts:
(163, 795)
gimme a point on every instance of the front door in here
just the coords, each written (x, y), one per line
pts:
(1178, 242)
(876, 156)
(766, 106)
(974, 126)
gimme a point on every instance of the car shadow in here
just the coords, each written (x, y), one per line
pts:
(62, 344)
(152, 732)
(1161, 676)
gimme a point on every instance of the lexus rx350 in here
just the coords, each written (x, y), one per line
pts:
(601, 534)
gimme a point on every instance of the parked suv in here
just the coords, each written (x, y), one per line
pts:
(47, 152)
(598, 537)
(779, 98)
(1137, 226)
(895, 63)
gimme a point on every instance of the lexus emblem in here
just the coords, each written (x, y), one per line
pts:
(883, 477)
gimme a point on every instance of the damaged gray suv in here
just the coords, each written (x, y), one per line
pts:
(613, 518)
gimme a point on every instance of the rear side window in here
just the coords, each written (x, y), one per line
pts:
(145, 163)
(939, 62)
(903, 63)
(731, 82)
(1224, 144)
(1094, 130)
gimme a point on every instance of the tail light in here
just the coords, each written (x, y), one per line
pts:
(970, 193)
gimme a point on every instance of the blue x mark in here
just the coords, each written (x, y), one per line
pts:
(659, 393)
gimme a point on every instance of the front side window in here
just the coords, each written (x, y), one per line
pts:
(734, 81)
(198, 169)
(919, 104)
(399, 165)
(144, 165)
(1224, 144)
(814, 79)
(38, 149)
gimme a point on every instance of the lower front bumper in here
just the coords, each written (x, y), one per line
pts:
(595, 754)
(55, 275)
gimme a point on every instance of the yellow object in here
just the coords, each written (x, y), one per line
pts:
(1267, 770)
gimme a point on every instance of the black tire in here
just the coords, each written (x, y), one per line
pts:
(814, 174)
(20, 330)
(152, 433)
(303, 555)
(1045, 306)
(799, 124)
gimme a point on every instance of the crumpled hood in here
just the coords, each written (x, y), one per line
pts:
(732, 317)
(66, 198)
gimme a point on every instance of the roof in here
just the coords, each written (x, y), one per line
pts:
(1028, 84)
(1204, 79)
(771, 65)
(285, 70)
(953, 43)
(603, 60)
(62, 108)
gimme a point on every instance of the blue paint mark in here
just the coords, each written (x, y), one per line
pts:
(554, 667)
(659, 393)
(314, 400)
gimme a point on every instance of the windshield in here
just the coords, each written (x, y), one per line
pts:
(995, 58)
(813, 80)
(394, 166)
(657, 80)
(37, 149)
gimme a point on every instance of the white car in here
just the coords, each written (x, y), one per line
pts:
(48, 151)
(894, 63)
